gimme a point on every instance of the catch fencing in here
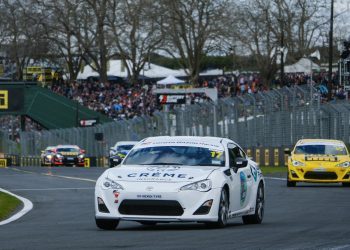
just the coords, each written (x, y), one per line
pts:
(271, 119)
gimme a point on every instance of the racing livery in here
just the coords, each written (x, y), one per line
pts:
(68, 155)
(319, 160)
(47, 156)
(118, 152)
(181, 179)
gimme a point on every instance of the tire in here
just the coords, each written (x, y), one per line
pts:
(258, 216)
(223, 211)
(346, 184)
(107, 224)
(290, 183)
(148, 223)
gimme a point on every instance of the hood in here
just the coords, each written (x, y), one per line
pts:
(151, 173)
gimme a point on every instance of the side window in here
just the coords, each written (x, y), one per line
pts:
(234, 153)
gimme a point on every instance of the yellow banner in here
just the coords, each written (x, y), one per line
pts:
(3, 163)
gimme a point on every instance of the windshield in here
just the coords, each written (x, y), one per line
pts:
(124, 147)
(176, 155)
(74, 150)
(321, 149)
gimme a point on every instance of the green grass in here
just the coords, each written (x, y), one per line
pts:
(8, 205)
(273, 170)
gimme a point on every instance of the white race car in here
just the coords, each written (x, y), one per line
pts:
(181, 179)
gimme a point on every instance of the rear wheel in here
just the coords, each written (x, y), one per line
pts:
(258, 216)
(107, 224)
(346, 184)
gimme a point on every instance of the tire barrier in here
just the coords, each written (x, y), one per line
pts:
(270, 156)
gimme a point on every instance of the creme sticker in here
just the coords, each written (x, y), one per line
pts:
(216, 162)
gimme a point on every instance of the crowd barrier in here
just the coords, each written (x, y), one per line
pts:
(264, 156)
(34, 161)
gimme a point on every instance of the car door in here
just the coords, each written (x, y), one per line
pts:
(242, 177)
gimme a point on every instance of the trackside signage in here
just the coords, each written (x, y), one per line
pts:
(11, 99)
(171, 99)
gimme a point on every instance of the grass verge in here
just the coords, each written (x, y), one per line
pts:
(8, 205)
(274, 170)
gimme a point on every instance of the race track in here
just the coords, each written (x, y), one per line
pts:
(305, 217)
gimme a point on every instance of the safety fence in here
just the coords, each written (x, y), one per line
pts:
(272, 119)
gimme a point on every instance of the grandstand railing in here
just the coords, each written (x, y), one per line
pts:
(276, 118)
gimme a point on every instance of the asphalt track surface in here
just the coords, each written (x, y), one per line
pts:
(305, 217)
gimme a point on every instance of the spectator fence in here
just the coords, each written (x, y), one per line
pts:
(276, 118)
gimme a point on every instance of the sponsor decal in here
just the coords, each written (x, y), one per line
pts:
(149, 196)
(69, 153)
(166, 168)
(254, 172)
(158, 175)
(243, 187)
(171, 99)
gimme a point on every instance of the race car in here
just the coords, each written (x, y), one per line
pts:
(181, 179)
(319, 160)
(118, 152)
(68, 155)
(47, 155)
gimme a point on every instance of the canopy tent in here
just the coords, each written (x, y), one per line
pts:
(304, 65)
(170, 80)
(118, 68)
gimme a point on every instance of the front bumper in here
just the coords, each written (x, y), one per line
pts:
(159, 205)
(318, 175)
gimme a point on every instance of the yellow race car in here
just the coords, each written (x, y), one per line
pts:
(319, 160)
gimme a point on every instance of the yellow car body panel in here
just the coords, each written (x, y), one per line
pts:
(319, 168)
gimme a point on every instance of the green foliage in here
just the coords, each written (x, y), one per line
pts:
(8, 205)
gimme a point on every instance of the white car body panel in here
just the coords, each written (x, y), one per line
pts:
(163, 183)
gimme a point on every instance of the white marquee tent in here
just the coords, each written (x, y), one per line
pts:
(303, 65)
(117, 68)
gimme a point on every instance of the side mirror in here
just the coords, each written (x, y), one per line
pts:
(287, 151)
(241, 162)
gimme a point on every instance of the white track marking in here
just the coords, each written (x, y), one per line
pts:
(275, 178)
(27, 206)
(69, 177)
(340, 247)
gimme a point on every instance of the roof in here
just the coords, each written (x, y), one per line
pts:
(319, 142)
(126, 143)
(204, 141)
(67, 146)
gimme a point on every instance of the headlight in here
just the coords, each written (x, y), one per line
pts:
(49, 156)
(59, 156)
(81, 156)
(201, 186)
(298, 163)
(344, 164)
(110, 184)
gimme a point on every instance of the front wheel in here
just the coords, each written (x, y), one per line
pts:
(223, 211)
(106, 224)
(258, 216)
(291, 183)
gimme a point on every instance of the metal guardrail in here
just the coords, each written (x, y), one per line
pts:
(276, 118)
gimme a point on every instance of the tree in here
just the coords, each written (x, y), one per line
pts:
(93, 36)
(295, 23)
(135, 25)
(59, 24)
(192, 29)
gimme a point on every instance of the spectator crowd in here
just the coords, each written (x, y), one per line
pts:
(121, 101)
